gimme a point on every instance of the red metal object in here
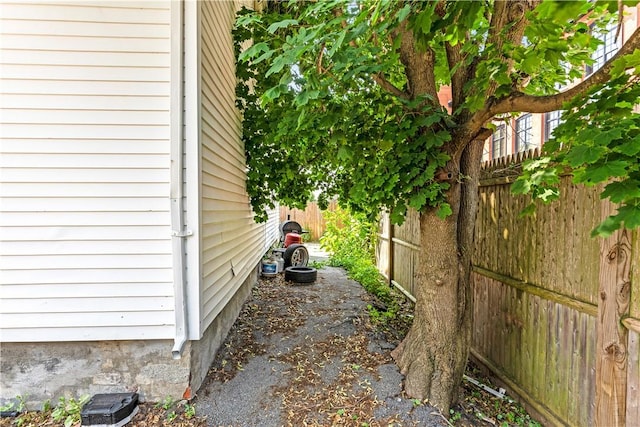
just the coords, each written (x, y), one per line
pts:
(292, 238)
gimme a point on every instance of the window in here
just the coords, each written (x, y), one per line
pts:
(523, 133)
(606, 49)
(486, 151)
(551, 121)
(499, 142)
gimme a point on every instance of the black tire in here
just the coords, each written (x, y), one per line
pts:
(300, 274)
(296, 255)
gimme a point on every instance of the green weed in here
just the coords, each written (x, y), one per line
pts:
(189, 411)
(68, 410)
(318, 264)
(166, 404)
(18, 404)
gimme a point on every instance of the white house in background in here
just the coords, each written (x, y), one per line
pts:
(127, 239)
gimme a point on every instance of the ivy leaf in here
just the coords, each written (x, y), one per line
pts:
(619, 191)
(337, 44)
(528, 211)
(602, 172)
(444, 210)
(606, 227)
(281, 24)
(631, 148)
(605, 138)
(271, 94)
(630, 215)
(404, 12)
(253, 51)
(582, 154)
(522, 185)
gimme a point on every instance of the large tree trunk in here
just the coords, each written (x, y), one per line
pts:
(434, 353)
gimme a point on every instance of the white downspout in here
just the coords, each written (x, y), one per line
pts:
(178, 231)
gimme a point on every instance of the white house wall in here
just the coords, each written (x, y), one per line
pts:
(232, 243)
(85, 224)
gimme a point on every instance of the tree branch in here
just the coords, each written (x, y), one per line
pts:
(507, 24)
(389, 87)
(418, 65)
(520, 102)
(378, 78)
(459, 77)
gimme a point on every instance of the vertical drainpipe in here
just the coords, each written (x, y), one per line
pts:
(178, 230)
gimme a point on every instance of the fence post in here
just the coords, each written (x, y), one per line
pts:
(612, 336)
(390, 233)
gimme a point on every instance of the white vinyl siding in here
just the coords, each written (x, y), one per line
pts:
(85, 228)
(271, 229)
(232, 243)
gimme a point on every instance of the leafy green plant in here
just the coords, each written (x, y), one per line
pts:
(317, 264)
(597, 142)
(68, 410)
(18, 404)
(189, 411)
(351, 239)
(454, 415)
(166, 404)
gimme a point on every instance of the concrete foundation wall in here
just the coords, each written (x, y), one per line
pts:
(204, 350)
(46, 371)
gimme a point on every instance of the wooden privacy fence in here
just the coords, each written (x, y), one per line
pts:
(311, 218)
(557, 313)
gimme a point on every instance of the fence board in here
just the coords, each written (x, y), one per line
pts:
(633, 375)
(311, 218)
(536, 288)
(611, 360)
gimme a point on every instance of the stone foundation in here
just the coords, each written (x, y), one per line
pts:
(47, 370)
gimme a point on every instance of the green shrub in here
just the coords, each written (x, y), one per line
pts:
(349, 236)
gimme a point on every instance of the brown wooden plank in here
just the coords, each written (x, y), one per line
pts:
(590, 374)
(611, 360)
(528, 344)
(633, 380)
(634, 303)
(550, 382)
(539, 346)
(573, 387)
(565, 354)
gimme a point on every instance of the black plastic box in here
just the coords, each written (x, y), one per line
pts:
(109, 409)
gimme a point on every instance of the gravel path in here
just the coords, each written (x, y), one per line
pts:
(308, 355)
